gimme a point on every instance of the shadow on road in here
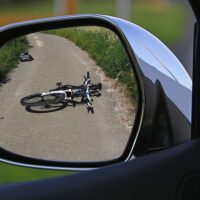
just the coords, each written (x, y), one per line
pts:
(4, 80)
(53, 108)
(49, 109)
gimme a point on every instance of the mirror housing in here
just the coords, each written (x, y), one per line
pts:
(163, 84)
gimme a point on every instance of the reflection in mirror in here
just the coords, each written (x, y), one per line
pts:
(71, 97)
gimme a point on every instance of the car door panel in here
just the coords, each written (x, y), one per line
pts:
(160, 175)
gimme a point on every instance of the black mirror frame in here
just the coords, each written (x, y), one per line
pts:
(13, 31)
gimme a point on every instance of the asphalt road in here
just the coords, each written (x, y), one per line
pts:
(70, 134)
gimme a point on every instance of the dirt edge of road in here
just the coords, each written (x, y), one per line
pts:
(125, 107)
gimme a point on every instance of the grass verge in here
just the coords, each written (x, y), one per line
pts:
(14, 174)
(9, 55)
(105, 48)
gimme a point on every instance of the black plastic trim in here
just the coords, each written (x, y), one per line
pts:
(195, 4)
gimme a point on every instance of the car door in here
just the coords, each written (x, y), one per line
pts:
(172, 173)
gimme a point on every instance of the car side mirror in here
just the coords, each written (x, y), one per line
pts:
(124, 107)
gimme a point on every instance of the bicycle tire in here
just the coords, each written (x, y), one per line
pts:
(39, 100)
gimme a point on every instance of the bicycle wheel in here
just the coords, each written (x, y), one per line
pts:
(39, 100)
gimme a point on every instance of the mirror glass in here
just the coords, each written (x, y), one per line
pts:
(67, 94)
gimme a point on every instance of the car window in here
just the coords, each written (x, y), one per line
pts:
(171, 21)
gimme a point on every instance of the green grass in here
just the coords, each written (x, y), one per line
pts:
(105, 48)
(13, 174)
(39, 8)
(106, 7)
(166, 22)
(9, 55)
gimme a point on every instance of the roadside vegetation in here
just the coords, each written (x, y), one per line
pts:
(165, 21)
(9, 55)
(105, 48)
(15, 174)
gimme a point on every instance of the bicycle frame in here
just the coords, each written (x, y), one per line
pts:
(64, 92)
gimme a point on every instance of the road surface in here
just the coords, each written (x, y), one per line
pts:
(70, 134)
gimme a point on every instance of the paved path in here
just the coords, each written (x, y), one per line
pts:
(71, 133)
